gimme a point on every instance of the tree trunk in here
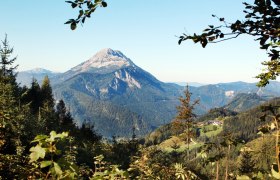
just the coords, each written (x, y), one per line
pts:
(217, 170)
(188, 143)
(276, 144)
(226, 177)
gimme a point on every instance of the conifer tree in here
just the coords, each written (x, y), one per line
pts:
(247, 165)
(61, 111)
(33, 96)
(7, 68)
(46, 93)
(47, 109)
(186, 115)
(64, 117)
(10, 115)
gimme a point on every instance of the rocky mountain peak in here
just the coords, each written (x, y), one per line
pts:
(105, 58)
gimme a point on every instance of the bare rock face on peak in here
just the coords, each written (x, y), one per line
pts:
(104, 61)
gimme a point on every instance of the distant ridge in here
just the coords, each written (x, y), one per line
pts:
(244, 101)
(194, 84)
(25, 77)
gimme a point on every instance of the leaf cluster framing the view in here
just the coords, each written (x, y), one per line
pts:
(262, 22)
(46, 155)
(105, 171)
(86, 8)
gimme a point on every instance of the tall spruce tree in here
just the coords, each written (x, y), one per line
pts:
(46, 93)
(247, 164)
(64, 117)
(186, 115)
(47, 108)
(33, 96)
(7, 67)
(10, 113)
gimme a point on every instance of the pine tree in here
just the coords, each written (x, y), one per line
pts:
(64, 117)
(186, 115)
(247, 165)
(46, 93)
(33, 97)
(10, 116)
(7, 67)
(47, 108)
(61, 111)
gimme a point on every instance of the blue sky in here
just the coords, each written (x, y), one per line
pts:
(145, 31)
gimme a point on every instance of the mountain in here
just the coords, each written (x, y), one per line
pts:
(114, 94)
(194, 84)
(239, 103)
(218, 95)
(25, 77)
(244, 101)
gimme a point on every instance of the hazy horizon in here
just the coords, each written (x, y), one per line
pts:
(182, 83)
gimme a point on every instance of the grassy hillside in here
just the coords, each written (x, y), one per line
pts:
(179, 144)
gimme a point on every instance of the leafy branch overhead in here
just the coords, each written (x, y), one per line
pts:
(86, 8)
(262, 21)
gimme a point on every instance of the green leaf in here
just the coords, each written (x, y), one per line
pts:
(243, 177)
(83, 20)
(81, 12)
(204, 42)
(57, 169)
(180, 41)
(39, 138)
(36, 153)
(73, 26)
(62, 135)
(45, 164)
(104, 4)
(68, 22)
(74, 5)
(274, 172)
